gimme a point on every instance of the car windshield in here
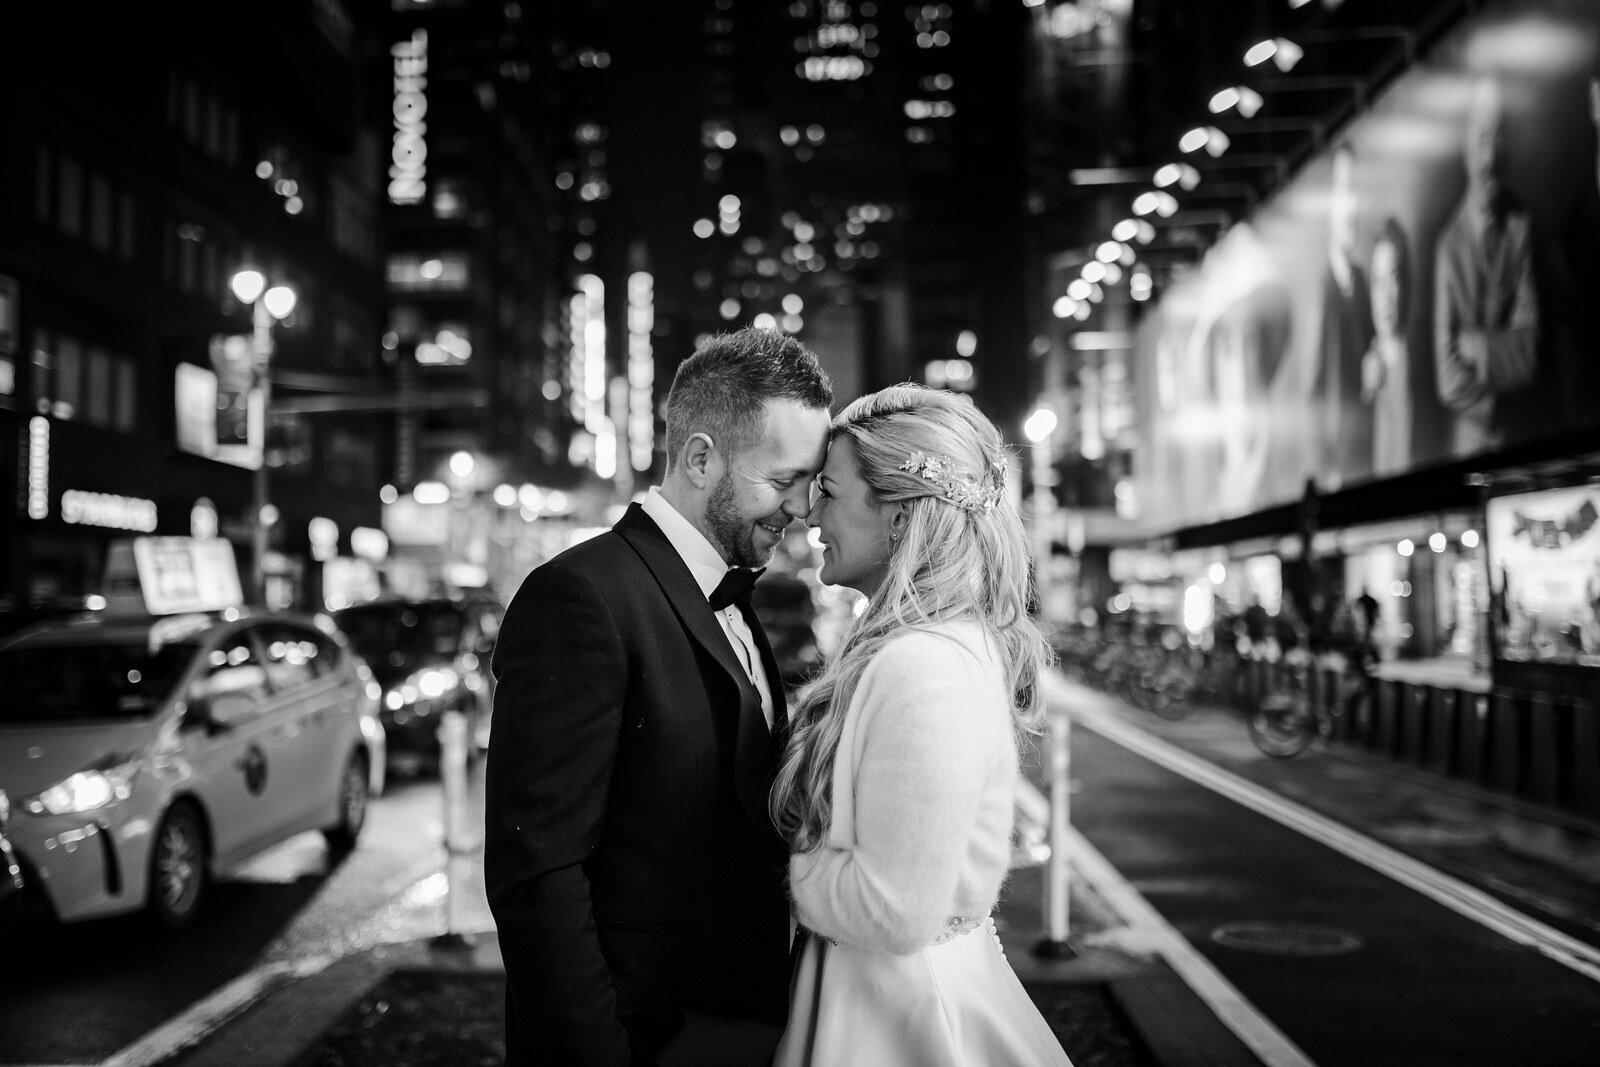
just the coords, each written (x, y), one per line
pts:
(72, 682)
(389, 633)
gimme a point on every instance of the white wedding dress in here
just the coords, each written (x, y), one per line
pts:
(955, 1004)
(923, 788)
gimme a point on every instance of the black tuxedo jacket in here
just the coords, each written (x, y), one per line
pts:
(634, 875)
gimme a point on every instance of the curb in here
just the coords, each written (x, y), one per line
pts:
(285, 1028)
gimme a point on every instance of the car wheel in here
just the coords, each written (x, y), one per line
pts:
(178, 869)
(353, 798)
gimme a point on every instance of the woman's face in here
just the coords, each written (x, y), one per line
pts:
(853, 525)
(1384, 280)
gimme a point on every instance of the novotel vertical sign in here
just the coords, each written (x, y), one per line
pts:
(409, 157)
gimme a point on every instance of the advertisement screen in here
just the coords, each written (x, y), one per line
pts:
(1423, 291)
(1544, 565)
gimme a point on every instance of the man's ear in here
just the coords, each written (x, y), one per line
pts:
(699, 455)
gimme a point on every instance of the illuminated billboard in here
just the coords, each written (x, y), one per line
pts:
(1427, 289)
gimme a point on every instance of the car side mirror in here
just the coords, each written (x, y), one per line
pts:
(224, 711)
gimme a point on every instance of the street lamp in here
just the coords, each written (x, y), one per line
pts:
(268, 305)
(1039, 427)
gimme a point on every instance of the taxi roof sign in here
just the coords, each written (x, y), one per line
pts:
(172, 575)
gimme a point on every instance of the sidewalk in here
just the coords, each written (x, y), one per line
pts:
(425, 1002)
(1116, 1001)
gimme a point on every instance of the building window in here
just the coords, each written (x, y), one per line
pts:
(44, 182)
(212, 145)
(446, 272)
(100, 213)
(191, 112)
(188, 260)
(43, 369)
(126, 245)
(69, 194)
(127, 375)
(69, 378)
(72, 380)
(97, 391)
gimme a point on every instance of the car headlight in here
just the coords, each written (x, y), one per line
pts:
(84, 791)
(5, 809)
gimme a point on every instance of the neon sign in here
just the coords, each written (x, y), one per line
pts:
(409, 157)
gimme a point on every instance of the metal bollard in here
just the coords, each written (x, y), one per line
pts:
(1058, 875)
(458, 842)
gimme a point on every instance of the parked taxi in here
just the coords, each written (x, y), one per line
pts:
(143, 754)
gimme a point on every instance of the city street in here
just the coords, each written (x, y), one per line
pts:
(1360, 917)
(1371, 918)
(89, 991)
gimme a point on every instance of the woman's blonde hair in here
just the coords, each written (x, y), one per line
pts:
(963, 555)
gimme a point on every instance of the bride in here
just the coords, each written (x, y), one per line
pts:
(895, 791)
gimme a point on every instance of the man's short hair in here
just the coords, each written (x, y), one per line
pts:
(722, 389)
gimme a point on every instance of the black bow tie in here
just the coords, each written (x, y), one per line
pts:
(735, 588)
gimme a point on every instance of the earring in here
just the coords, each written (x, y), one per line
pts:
(893, 538)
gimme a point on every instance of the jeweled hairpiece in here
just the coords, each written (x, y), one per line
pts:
(964, 492)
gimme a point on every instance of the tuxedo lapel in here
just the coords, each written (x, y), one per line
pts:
(755, 751)
(769, 661)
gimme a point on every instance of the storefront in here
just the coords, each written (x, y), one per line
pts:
(1321, 392)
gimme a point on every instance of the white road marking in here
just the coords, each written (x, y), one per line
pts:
(1148, 931)
(1464, 899)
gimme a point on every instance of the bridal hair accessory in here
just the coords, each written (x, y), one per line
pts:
(964, 492)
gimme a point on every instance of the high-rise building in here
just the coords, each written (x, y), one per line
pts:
(131, 379)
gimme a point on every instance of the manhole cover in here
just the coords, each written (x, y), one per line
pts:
(1286, 939)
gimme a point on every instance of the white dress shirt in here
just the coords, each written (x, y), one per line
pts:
(707, 566)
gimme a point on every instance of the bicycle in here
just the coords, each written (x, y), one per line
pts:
(1287, 720)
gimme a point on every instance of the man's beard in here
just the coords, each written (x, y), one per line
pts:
(732, 534)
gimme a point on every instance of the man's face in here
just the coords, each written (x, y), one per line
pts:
(1484, 142)
(766, 486)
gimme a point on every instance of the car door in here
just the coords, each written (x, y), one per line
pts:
(315, 707)
(227, 739)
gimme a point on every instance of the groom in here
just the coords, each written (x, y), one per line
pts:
(634, 875)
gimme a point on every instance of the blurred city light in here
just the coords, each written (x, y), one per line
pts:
(430, 493)
(247, 285)
(1282, 51)
(1213, 140)
(1182, 174)
(1240, 97)
(280, 301)
(1040, 424)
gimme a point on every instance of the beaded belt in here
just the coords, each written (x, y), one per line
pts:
(952, 929)
(955, 927)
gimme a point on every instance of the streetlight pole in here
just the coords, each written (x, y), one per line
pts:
(1039, 428)
(267, 307)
